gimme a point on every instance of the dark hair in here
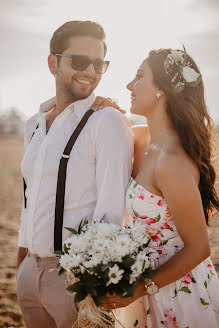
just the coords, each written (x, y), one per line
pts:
(188, 113)
(61, 36)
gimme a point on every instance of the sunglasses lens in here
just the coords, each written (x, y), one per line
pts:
(80, 63)
(100, 66)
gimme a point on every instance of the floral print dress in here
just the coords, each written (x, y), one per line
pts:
(190, 302)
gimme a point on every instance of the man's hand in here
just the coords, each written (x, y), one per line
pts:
(22, 252)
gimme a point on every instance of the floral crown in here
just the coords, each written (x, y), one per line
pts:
(185, 75)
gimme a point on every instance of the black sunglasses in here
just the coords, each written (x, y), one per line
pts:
(81, 62)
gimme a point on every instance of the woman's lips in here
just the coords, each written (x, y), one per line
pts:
(133, 98)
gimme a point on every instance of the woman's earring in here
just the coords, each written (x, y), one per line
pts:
(158, 95)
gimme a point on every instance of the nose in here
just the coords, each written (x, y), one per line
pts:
(90, 69)
(130, 86)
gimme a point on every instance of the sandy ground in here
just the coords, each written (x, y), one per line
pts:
(11, 151)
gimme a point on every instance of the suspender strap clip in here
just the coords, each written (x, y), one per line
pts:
(65, 156)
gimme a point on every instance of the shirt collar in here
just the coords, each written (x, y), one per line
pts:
(79, 107)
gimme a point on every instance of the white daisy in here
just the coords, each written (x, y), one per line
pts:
(115, 274)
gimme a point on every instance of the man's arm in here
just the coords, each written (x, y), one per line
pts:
(22, 252)
(114, 152)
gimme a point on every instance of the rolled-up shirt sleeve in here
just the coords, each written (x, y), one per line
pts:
(114, 152)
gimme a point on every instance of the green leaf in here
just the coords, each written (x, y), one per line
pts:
(212, 272)
(76, 287)
(72, 230)
(61, 271)
(136, 323)
(130, 196)
(66, 249)
(203, 302)
(127, 261)
(205, 284)
(175, 292)
(58, 265)
(59, 252)
(185, 289)
(195, 83)
(135, 185)
(164, 242)
(157, 218)
(80, 296)
(148, 273)
(91, 291)
(81, 225)
(135, 213)
(193, 280)
(208, 276)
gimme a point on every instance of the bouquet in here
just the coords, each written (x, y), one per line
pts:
(103, 258)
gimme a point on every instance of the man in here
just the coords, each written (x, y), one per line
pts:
(97, 173)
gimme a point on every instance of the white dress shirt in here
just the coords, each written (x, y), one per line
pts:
(98, 171)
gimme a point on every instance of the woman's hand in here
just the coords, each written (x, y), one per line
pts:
(101, 103)
(114, 301)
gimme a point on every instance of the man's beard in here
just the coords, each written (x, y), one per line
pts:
(75, 94)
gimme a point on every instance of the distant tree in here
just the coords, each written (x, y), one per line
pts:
(11, 122)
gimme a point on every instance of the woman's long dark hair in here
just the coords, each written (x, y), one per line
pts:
(188, 113)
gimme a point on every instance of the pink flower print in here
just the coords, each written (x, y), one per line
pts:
(150, 221)
(165, 226)
(161, 202)
(155, 237)
(143, 217)
(170, 317)
(140, 193)
(187, 279)
(208, 263)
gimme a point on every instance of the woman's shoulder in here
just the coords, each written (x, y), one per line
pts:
(141, 136)
(176, 163)
(140, 130)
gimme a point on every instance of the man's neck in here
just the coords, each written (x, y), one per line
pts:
(62, 102)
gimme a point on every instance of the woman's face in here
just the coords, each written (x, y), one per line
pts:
(143, 91)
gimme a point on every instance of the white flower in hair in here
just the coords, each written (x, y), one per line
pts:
(189, 74)
(115, 274)
(176, 56)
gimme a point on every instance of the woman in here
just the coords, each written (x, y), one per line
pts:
(172, 192)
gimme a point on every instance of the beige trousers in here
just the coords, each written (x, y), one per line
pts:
(42, 294)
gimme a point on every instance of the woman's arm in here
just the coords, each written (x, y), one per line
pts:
(177, 180)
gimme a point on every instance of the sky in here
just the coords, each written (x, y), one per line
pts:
(132, 29)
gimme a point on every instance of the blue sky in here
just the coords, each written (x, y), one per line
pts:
(132, 29)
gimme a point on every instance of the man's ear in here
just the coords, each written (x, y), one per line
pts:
(52, 63)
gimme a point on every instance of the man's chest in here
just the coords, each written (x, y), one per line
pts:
(44, 152)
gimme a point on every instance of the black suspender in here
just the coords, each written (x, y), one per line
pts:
(60, 191)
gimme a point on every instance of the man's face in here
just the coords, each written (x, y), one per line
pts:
(79, 84)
